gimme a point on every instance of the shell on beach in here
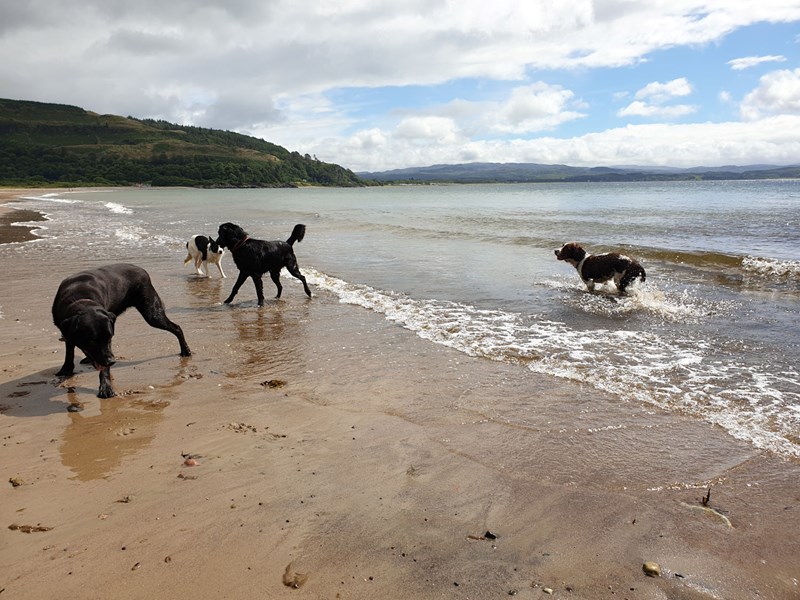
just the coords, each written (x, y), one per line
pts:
(651, 569)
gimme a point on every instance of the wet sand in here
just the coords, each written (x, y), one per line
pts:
(9, 232)
(338, 455)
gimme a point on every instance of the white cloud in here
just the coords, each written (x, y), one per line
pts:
(658, 92)
(527, 109)
(650, 100)
(778, 92)
(536, 107)
(775, 140)
(428, 129)
(739, 64)
(642, 109)
(296, 47)
(278, 68)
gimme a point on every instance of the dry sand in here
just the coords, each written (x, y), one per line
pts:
(338, 456)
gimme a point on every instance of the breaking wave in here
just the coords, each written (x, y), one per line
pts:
(687, 375)
(770, 267)
(118, 208)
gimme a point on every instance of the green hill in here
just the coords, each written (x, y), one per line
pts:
(54, 144)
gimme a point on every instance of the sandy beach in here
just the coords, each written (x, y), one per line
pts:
(312, 449)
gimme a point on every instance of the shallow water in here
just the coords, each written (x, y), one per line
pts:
(713, 333)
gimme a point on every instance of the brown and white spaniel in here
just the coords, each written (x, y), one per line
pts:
(600, 268)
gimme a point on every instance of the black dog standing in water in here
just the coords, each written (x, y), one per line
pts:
(256, 257)
(88, 303)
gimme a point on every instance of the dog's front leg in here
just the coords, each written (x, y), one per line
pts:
(239, 281)
(68, 368)
(589, 284)
(106, 390)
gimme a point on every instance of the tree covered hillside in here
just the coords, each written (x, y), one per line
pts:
(53, 144)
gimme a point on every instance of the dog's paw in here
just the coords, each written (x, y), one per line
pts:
(106, 392)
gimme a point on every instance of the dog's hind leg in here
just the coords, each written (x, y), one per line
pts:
(295, 271)
(239, 281)
(276, 279)
(152, 309)
(198, 266)
(629, 277)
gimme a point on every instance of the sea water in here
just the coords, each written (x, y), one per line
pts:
(713, 333)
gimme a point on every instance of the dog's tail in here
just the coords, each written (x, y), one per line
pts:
(298, 233)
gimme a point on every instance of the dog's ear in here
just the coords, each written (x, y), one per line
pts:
(112, 319)
(108, 320)
(69, 327)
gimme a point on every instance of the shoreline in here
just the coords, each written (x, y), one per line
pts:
(348, 457)
(10, 233)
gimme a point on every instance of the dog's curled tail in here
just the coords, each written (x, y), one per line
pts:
(298, 233)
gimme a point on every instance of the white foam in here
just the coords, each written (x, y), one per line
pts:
(53, 197)
(118, 208)
(683, 375)
(770, 267)
(131, 233)
(673, 307)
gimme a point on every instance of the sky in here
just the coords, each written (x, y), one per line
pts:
(375, 85)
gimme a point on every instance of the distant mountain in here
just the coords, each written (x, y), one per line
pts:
(54, 144)
(534, 172)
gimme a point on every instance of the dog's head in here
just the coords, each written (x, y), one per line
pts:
(214, 247)
(229, 234)
(91, 330)
(571, 252)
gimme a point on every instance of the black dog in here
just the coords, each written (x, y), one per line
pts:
(256, 257)
(599, 268)
(88, 303)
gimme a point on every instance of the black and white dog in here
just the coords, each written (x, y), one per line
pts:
(202, 251)
(256, 257)
(600, 268)
(87, 305)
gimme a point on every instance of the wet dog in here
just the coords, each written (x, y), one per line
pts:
(254, 257)
(87, 305)
(600, 268)
(202, 251)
